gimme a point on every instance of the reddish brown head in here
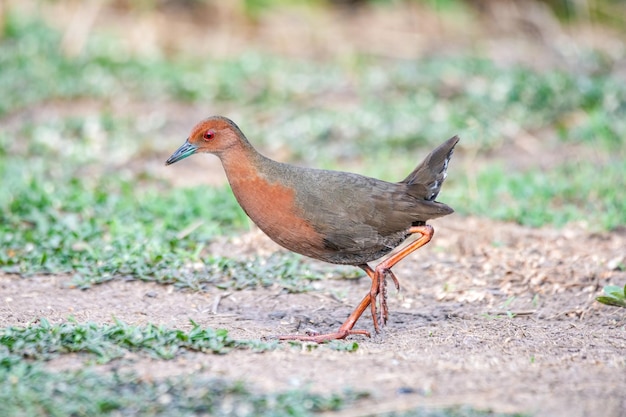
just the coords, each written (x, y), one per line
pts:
(214, 135)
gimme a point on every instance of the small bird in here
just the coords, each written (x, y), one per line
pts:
(333, 216)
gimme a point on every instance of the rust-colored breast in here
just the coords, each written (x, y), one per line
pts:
(271, 206)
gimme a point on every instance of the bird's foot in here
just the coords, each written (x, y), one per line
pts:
(344, 331)
(379, 274)
(323, 338)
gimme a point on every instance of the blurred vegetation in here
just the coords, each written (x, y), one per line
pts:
(32, 390)
(602, 11)
(614, 295)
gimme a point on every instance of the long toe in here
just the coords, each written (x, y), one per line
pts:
(395, 280)
(384, 310)
(322, 338)
(374, 291)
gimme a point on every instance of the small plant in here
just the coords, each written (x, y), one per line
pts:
(506, 305)
(343, 346)
(615, 296)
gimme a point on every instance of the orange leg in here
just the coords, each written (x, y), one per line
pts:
(378, 276)
(344, 331)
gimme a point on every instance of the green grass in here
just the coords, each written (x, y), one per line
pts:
(30, 390)
(103, 227)
(96, 222)
(614, 295)
(43, 341)
(572, 192)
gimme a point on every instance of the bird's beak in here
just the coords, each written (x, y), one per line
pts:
(183, 152)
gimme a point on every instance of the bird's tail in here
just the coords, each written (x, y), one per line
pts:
(426, 179)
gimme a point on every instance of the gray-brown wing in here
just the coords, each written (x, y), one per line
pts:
(362, 215)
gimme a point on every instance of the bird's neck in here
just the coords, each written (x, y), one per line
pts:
(242, 161)
(249, 173)
(255, 183)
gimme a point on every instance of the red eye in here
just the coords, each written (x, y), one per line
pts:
(208, 135)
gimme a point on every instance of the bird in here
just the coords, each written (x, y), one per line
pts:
(333, 216)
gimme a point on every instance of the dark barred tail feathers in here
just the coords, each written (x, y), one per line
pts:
(427, 178)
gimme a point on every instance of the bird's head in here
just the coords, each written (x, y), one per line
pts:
(213, 135)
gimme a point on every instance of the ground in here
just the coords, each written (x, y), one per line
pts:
(490, 314)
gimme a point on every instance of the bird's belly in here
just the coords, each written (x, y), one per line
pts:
(365, 251)
(351, 258)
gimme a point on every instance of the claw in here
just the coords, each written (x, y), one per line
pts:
(395, 280)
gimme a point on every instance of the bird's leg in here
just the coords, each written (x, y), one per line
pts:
(344, 331)
(379, 274)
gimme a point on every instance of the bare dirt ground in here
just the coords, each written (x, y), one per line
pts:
(449, 340)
